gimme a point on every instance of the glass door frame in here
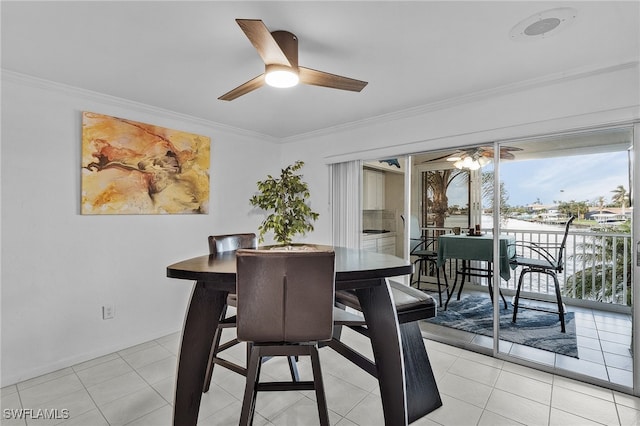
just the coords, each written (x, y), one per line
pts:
(635, 232)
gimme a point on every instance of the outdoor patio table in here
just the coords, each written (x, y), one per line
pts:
(406, 381)
(480, 248)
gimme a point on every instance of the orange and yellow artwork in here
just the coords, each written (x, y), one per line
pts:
(136, 168)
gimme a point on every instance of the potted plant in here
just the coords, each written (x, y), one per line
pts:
(286, 198)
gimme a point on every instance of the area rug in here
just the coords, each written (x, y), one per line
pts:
(537, 329)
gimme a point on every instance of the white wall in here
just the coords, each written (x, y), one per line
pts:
(59, 267)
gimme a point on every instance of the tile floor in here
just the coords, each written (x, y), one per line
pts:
(604, 339)
(135, 387)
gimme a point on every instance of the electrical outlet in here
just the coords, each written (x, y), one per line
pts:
(108, 312)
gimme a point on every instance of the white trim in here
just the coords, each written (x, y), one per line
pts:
(481, 95)
(615, 117)
(27, 80)
(635, 315)
(55, 365)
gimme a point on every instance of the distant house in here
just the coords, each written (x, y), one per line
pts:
(610, 215)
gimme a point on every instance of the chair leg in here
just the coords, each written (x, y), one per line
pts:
(412, 272)
(516, 300)
(420, 263)
(439, 284)
(453, 287)
(293, 368)
(560, 304)
(446, 282)
(251, 387)
(213, 354)
(319, 387)
(433, 263)
(464, 275)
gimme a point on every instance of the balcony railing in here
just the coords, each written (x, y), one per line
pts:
(596, 267)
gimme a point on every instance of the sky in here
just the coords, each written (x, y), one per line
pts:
(575, 178)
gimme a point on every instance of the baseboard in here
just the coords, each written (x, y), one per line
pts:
(11, 379)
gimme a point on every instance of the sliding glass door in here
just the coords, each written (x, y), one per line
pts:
(565, 201)
(522, 194)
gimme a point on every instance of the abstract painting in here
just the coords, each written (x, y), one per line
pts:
(136, 168)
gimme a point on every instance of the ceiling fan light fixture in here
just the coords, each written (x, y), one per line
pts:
(470, 162)
(483, 161)
(281, 76)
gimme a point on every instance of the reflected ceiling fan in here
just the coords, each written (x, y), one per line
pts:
(279, 52)
(474, 158)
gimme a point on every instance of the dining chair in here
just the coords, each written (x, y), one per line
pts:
(285, 307)
(221, 244)
(424, 250)
(542, 258)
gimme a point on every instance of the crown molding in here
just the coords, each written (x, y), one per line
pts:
(612, 118)
(40, 83)
(481, 95)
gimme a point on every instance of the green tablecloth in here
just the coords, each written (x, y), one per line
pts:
(451, 246)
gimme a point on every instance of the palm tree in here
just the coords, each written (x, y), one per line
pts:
(596, 278)
(620, 196)
(487, 191)
(436, 182)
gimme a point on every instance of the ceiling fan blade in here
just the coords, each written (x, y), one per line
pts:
(506, 155)
(267, 47)
(243, 89)
(325, 79)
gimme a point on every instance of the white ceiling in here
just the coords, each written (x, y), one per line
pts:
(181, 56)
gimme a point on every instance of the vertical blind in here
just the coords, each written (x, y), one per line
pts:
(346, 203)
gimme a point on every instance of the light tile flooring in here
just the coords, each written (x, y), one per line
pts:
(135, 387)
(604, 341)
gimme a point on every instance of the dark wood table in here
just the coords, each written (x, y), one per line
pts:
(404, 373)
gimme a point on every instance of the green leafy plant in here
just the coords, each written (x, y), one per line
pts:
(286, 198)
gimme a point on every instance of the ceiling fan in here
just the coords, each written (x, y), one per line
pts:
(279, 52)
(474, 158)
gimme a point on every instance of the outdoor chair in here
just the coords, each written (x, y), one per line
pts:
(285, 307)
(541, 258)
(426, 255)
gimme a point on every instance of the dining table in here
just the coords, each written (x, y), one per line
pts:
(407, 385)
(475, 247)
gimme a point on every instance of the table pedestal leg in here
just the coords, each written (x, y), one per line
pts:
(200, 325)
(382, 322)
(422, 391)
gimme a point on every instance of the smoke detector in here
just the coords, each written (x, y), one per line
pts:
(543, 24)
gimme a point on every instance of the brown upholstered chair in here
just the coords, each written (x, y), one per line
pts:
(232, 242)
(221, 244)
(285, 307)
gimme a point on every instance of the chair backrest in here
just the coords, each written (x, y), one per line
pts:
(564, 243)
(415, 233)
(285, 296)
(232, 242)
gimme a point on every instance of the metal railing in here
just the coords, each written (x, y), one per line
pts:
(596, 266)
